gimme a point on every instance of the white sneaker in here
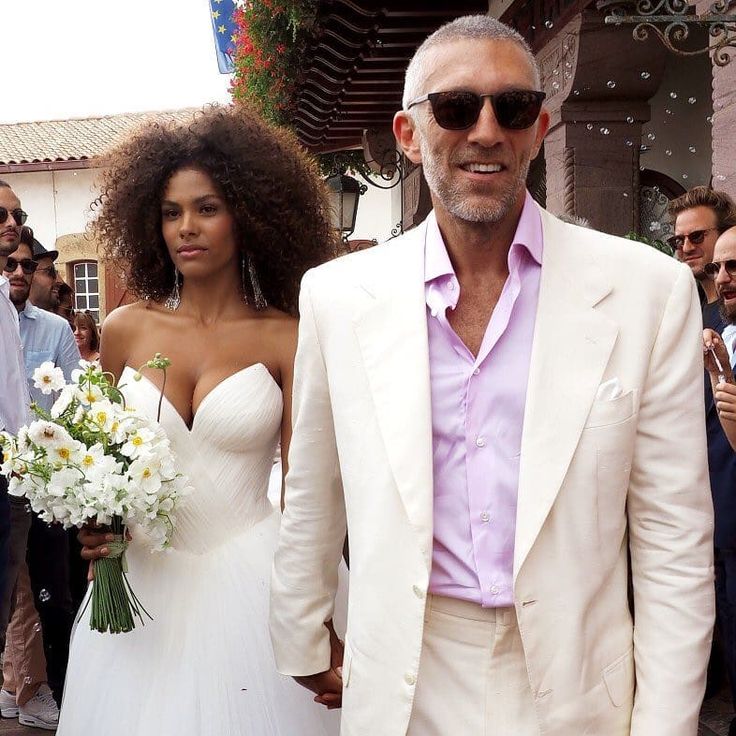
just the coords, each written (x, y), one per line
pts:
(8, 706)
(40, 711)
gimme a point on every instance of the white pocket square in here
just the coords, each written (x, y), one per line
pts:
(609, 390)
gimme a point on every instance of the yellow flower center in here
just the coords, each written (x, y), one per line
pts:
(101, 417)
(147, 473)
(46, 379)
(137, 441)
(88, 460)
(64, 453)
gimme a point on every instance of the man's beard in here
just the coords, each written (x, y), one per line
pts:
(7, 249)
(728, 314)
(491, 210)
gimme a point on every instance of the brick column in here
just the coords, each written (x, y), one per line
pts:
(597, 97)
(724, 119)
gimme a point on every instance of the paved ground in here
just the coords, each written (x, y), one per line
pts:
(716, 716)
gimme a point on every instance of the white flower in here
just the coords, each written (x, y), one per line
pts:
(63, 480)
(48, 378)
(95, 464)
(83, 370)
(68, 452)
(89, 393)
(138, 442)
(47, 434)
(67, 395)
(144, 472)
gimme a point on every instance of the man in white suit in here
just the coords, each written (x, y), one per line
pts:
(506, 399)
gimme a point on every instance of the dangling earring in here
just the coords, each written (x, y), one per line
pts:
(174, 300)
(258, 298)
(242, 278)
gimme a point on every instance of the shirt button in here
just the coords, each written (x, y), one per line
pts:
(495, 590)
(485, 516)
(409, 679)
(476, 372)
(418, 592)
(481, 442)
(451, 284)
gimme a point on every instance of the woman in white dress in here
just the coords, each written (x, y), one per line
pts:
(214, 223)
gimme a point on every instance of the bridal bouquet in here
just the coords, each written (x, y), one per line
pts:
(92, 459)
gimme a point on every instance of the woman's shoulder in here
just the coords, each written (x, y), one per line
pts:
(127, 317)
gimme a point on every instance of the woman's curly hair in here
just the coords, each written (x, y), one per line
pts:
(271, 186)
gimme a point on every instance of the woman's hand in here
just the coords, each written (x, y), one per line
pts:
(94, 540)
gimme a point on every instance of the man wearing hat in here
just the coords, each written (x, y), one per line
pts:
(45, 285)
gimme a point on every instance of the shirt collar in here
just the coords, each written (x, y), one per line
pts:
(30, 311)
(528, 236)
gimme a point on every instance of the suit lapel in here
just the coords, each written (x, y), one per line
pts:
(572, 345)
(392, 333)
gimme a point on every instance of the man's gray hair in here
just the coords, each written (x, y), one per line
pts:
(474, 27)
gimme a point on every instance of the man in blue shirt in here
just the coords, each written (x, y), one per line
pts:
(45, 337)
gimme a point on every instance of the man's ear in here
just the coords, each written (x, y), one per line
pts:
(407, 136)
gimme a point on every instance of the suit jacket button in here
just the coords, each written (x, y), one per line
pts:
(409, 679)
(418, 592)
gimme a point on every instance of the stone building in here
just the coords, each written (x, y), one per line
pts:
(53, 165)
(633, 124)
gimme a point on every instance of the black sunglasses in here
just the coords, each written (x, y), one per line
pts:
(713, 269)
(19, 216)
(50, 270)
(515, 109)
(696, 237)
(27, 265)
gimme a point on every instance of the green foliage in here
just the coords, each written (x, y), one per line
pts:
(659, 245)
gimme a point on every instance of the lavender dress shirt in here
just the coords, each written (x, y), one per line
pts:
(477, 420)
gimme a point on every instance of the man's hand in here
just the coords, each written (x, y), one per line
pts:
(725, 398)
(711, 339)
(328, 684)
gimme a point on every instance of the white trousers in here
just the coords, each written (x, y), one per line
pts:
(472, 677)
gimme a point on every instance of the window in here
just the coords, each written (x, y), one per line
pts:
(87, 288)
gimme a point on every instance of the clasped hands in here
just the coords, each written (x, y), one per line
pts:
(327, 685)
(724, 394)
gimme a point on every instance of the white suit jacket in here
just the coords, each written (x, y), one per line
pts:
(597, 475)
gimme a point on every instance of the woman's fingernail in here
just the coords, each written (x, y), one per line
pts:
(109, 537)
(104, 551)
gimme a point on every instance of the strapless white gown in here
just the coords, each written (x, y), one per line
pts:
(204, 665)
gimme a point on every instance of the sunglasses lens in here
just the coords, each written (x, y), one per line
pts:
(696, 237)
(517, 109)
(19, 216)
(455, 110)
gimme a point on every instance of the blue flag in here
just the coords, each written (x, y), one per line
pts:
(224, 29)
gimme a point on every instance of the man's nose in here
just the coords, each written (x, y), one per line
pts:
(687, 245)
(486, 130)
(723, 277)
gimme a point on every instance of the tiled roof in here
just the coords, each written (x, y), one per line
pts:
(73, 140)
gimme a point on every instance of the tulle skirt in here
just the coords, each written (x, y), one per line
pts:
(204, 665)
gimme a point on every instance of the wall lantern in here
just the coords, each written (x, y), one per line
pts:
(344, 192)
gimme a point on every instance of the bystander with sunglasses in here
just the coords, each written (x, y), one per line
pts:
(700, 216)
(45, 289)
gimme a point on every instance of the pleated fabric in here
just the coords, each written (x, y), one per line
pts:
(204, 665)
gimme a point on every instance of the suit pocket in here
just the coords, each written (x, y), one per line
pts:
(605, 413)
(619, 679)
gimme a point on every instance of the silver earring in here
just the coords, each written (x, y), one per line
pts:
(174, 300)
(242, 279)
(258, 298)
